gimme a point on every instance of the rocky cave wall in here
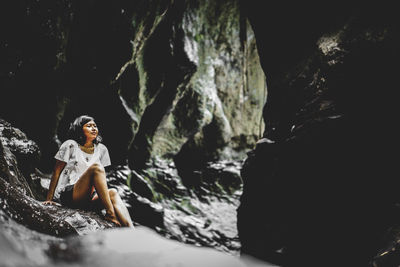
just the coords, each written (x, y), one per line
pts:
(320, 187)
(172, 79)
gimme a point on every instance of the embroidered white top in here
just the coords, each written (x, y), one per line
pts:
(78, 162)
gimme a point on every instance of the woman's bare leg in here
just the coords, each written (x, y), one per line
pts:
(120, 209)
(95, 176)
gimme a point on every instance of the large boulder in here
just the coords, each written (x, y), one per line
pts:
(141, 247)
(9, 169)
(323, 178)
(201, 213)
(52, 220)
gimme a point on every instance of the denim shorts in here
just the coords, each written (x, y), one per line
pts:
(66, 200)
(66, 196)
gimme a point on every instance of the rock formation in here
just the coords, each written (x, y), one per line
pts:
(319, 189)
(141, 247)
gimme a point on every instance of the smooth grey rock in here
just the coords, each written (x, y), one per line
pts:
(140, 247)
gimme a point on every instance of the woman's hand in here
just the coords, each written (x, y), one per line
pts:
(53, 183)
(50, 202)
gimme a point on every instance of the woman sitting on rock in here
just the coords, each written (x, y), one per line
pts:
(79, 178)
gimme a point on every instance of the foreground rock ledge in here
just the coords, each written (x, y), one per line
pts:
(52, 220)
(140, 247)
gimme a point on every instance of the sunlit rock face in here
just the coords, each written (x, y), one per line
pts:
(192, 85)
(196, 83)
(319, 189)
(181, 78)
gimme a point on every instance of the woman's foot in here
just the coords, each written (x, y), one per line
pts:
(112, 219)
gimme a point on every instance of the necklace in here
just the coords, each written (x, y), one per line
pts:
(88, 150)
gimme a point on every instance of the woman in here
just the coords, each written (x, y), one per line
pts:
(79, 179)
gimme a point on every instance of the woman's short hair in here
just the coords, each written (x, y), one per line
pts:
(75, 130)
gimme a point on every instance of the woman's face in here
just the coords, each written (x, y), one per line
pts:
(90, 130)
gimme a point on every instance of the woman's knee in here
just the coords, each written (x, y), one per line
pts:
(113, 193)
(96, 168)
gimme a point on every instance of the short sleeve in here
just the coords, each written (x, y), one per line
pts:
(104, 156)
(64, 153)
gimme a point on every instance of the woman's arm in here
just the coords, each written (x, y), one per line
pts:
(54, 181)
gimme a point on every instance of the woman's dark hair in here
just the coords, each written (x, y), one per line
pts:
(75, 130)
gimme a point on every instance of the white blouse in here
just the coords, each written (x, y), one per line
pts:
(78, 162)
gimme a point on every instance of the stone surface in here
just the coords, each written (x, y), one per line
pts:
(52, 220)
(319, 188)
(20, 246)
(19, 157)
(143, 247)
(203, 213)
